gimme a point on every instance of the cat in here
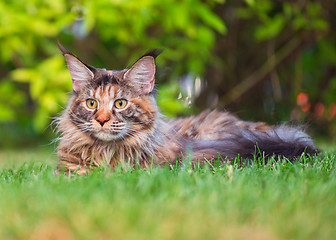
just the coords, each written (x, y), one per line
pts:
(113, 118)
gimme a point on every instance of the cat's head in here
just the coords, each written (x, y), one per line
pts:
(112, 105)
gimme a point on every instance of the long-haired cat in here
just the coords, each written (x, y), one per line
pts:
(112, 117)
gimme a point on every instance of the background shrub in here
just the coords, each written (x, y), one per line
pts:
(264, 60)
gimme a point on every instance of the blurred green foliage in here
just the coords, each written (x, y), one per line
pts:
(34, 80)
(249, 54)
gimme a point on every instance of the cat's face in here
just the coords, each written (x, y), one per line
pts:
(113, 105)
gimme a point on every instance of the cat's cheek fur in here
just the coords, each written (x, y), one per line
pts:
(80, 112)
(143, 109)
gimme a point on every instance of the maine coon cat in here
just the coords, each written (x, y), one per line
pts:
(112, 117)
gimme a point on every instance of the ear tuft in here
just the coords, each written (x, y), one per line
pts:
(153, 53)
(141, 75)
(62, 49)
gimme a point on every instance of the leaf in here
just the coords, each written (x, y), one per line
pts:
(211, 19)
(6, 113)
(270, 29)
(250, 2)
(23, 75)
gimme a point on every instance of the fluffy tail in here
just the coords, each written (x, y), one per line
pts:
(283, 141)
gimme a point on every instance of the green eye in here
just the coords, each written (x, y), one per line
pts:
(91, 103)
(120, 103)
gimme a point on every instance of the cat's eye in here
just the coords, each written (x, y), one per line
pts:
(120, 103)
(91, 103)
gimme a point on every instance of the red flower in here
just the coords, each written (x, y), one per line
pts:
(302, 101)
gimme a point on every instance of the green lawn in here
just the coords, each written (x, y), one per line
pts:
(276, 201)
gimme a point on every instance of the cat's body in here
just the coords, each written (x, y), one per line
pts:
(113, 118)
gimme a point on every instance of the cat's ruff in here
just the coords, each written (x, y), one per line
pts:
(112, 117)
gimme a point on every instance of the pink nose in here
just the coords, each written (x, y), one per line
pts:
(102, 120)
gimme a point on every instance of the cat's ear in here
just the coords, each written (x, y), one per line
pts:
(142, 74)
(80, 73)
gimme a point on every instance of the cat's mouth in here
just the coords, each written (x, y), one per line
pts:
(108, 135)
(110, 131)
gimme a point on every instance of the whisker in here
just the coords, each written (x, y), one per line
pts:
(117, 128)
(147, 122)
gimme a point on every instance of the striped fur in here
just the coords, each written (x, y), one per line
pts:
(139, 133)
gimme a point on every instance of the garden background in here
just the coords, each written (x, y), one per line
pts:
(263, 60)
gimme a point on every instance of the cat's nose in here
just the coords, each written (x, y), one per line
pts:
(102, 120)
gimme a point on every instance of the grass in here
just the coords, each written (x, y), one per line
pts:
(274, 201)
